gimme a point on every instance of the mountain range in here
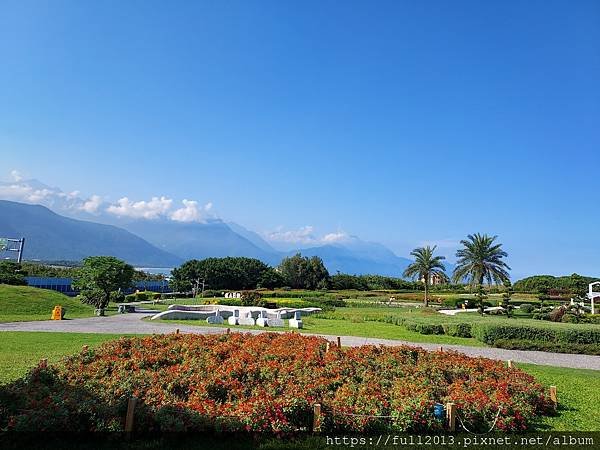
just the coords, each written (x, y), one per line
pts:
(167, 243)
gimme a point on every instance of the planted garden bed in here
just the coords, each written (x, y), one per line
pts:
(267, 383)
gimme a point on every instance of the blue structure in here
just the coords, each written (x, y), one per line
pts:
(65, 285)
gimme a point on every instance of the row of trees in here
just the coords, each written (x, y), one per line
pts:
(297, 272)
(481, 259)
(555, 286)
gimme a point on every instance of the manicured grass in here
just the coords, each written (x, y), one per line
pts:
(21, 350)
(24, 303)
(578, 397)
(358, 327)
(578, 392)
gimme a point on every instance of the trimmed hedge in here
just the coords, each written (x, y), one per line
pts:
(489, 333)
(458, 329)
(558, 347)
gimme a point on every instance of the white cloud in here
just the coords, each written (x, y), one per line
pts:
(303, 235)
(331, 238)
(16, 175)
(153, 209)
(91, 205)
(24, 193)
(71, 203)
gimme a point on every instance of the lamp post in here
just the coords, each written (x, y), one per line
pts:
(592, 295)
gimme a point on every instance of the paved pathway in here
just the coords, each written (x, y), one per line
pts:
(132, 324)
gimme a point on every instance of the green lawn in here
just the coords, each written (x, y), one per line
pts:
(578, 397)
(24, 303)
(20, 350)
(342, 328)
(578, 389)
(369, 322)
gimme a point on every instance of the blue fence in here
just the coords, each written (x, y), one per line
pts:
(65, 285)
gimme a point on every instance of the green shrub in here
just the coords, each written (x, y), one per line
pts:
(117, 297)
(490, 333)
(141, 296)
(526, 308)
(557, 347)
(458, 329)
(252, 298)
(590, 318)
(569, 318)
(453, 302)
(423, 328)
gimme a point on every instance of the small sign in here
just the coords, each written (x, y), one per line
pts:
(57, 313)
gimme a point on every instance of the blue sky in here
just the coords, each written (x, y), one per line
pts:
(402, 122)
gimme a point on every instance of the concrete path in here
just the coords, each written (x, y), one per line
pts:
(132, 324)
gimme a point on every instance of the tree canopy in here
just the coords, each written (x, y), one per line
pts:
(425, 266)
(222, 273)
(480, 260)
(304, 273)
(101, 276)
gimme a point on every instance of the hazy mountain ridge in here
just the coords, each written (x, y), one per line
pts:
(50, 236)
(167, 243)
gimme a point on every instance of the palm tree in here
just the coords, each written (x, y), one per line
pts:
(480, 260)
(425, 266)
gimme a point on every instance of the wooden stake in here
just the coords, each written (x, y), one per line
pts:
(553, 396)
(451, 416)
(228, 330)
(316, 417)
(441, 348)
(327, 347)
(510, 364)
(129, 417)
(177, 331)
(339, 342)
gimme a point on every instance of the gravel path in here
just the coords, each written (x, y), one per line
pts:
(132, 324)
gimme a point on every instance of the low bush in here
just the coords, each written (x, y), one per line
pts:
(576, 334)
(458, 329)
(527, 308)
(423, 328)
(453, 302)
(252, 298)
(267, 383)
(558, 347)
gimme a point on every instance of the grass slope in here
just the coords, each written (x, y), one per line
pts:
(24, 303)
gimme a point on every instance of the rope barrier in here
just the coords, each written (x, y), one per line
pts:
(479, 434)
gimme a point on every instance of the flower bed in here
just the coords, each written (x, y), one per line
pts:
(266, 383)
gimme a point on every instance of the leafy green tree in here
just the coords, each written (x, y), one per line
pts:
(12, 273)
(271, 279)
(425, 266)
(506, 296)
(219, 273)
(304, 273)
(100, 277)
(481, 260)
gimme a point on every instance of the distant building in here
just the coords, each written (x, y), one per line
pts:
(65, 285)
(434, 279)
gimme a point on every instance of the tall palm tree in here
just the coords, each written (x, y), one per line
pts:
(425, 266)
(480, 260)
